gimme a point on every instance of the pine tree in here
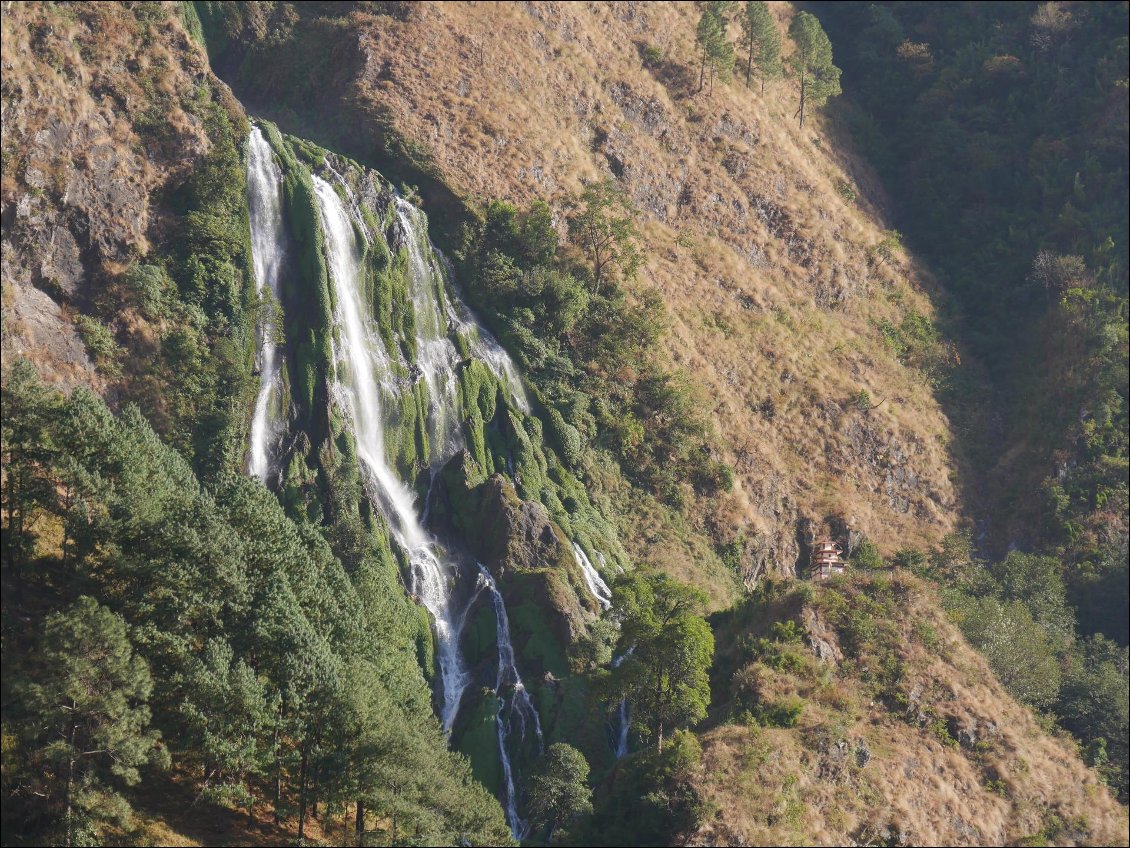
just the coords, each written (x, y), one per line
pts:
(717, 51)
(762, 41)
(89, 717)
(812, 63)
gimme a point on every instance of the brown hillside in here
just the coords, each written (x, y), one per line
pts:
(101, 116)
(904, 736)
(755, 243)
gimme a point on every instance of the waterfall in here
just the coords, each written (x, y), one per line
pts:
(620, 744)
(443, 311)
(362, 362)
(435, 352)
(596, 585)
(268, 240)
(519, 710)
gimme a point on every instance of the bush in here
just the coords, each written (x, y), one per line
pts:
(101, 344)
(866, 557)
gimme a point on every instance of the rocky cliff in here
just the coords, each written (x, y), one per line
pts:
(760, 236)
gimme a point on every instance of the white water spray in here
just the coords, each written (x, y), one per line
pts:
(435, 352)
(361, 364)
(516, 714)
(268, 240)
(596, 585)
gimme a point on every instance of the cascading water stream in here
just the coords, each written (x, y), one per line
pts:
(620, 743)
(268, 241)
(433, 269)
(595, 583)
(366, 383)
(361, 362)
(435, 352)
(516, 714)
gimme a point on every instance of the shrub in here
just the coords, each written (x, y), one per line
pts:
(867, 556)
(101, 344)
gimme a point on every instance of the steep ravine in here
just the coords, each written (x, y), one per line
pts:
(406, 396)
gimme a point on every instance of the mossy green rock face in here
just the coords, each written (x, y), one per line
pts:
(476, 735)
(529, 556)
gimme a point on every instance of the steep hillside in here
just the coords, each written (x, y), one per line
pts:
(317, 533)
(102, 112)
(814, 357)
(855, 712)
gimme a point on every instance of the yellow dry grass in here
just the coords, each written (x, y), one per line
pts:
(805, 785)
(526, 101)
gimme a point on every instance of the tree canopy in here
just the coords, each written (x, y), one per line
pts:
(811, 62)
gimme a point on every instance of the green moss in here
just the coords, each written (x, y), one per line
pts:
(480, 635)
(540, 647)
(477, 737)
(425, 643)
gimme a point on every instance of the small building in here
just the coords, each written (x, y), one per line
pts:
(827, 560)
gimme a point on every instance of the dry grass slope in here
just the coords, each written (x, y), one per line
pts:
(943, 756)
(760, 239)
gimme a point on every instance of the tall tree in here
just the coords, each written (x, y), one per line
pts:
(762, 41)
(717, 51)
(558, 789)
(665, 676)
(89, 719)
(811, 61)
(603, 225)
(26, 441)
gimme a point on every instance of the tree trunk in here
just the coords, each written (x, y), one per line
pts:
(360, 822)
(803, 91)
(302, 796)
(278, 775)
(69, 815)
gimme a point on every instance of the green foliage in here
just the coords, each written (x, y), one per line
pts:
(101, 344)
(1013, 186)
(1094, 704)
(714, 42)
(889, 245)
(866, 556)
(87, 728)
(652, 56)
(558, 788)
(279, 659)
(651, 798)
(587, 348)
(1016, 612)
(761, 40)
(195, 288)
(1018, 650)
(811, 62)
(602, 224)
(665, 677)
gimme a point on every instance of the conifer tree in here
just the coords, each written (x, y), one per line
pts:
(762, 41)
(812, 63)
(717, 51)
(89, 720)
